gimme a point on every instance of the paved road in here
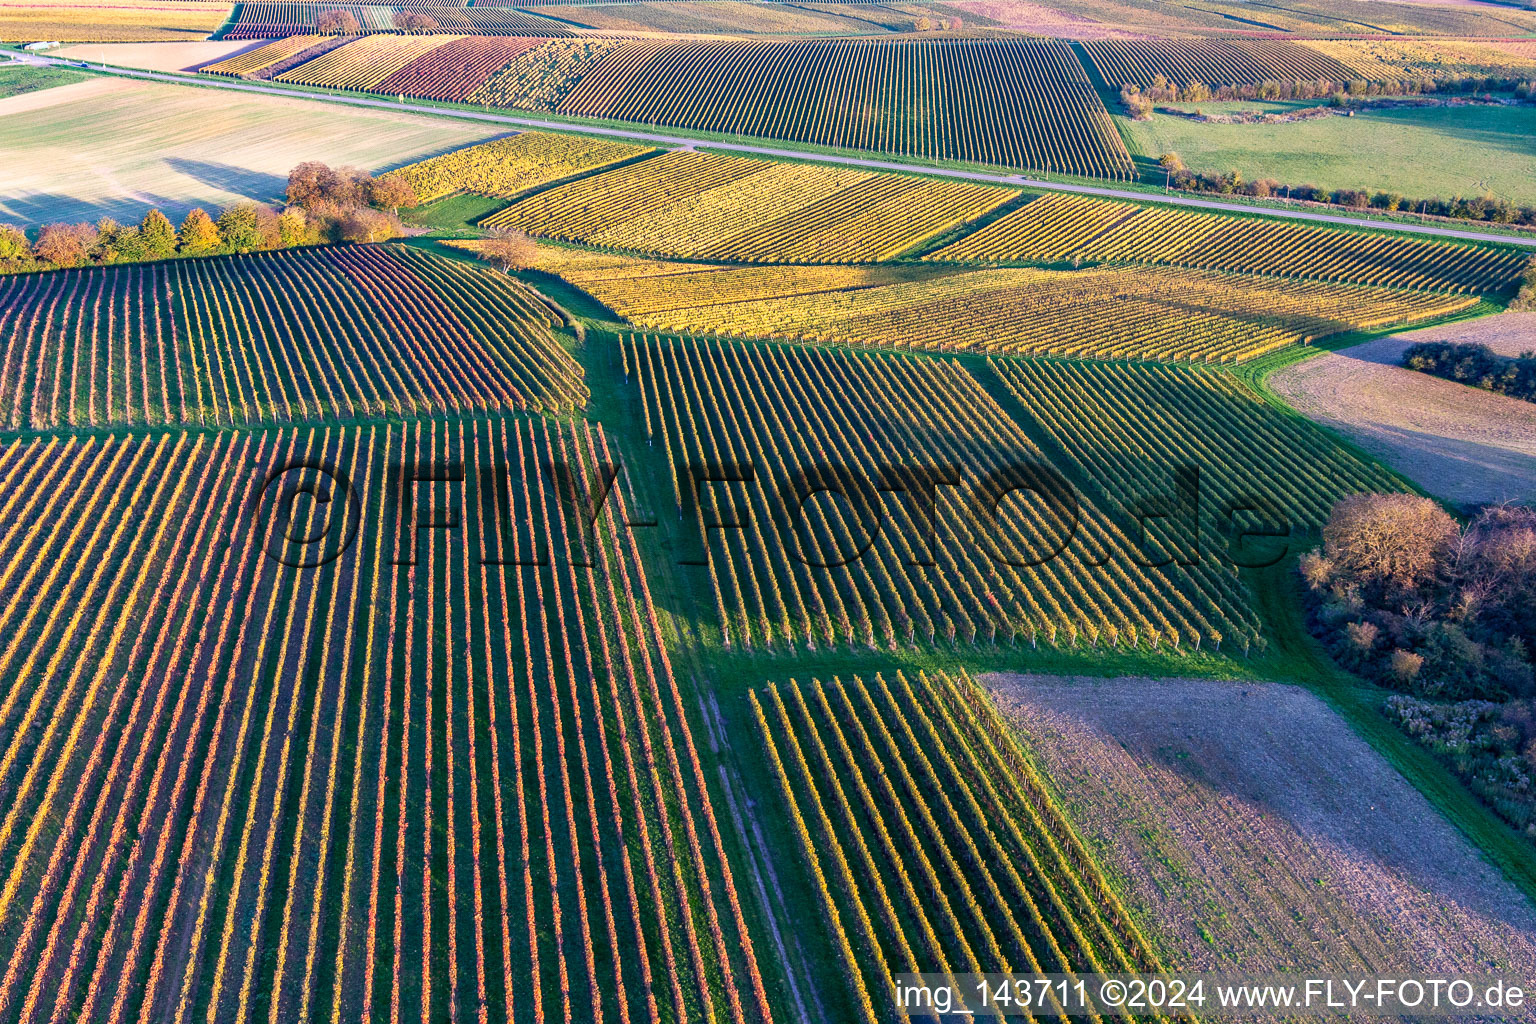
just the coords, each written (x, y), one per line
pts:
(654, 138)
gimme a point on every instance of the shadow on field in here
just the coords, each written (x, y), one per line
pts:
(240, 180)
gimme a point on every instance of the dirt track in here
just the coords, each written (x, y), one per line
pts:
(1459, 443)
(1255, 831)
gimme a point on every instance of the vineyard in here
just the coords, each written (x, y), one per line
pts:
(703, 206)
(1114, 313)
(540, 78)
(1024, 103)
(1061, 227)
(364, 63)
(913, 793)
(876, 569)
(1213, 62)
(509, 166)
(387, 791)
(250, 62)
(1124, 427)
(339, 332)
(454, 70)
(268, 19)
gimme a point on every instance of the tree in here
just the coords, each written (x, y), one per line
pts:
(268, 229)
(14, 247)
(1136, 104)
(336, 23)
(294, 228)
(391, 192)
(310, 183)
(1172, 164)
(199, 234)
(239, 228)
(116, 243)
(365, 225)
(157, 236)
(509, 250)
(414, 21)
(64, 245)
(348, 187)
(104, 248)
(1392, 540)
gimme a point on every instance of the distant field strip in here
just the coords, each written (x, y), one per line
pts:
(1112, 313)
(1428, 58)
(704, 206)
(1024, 103)
(869, 569)
(413, 781)
(364, 63)
(509, 166)
(262, 57)
(319, 333)
(266, 20)
(1126, 427)
(1061, 227)
(1213, 62)
(122, 20)
(933, 842)
(455, 70)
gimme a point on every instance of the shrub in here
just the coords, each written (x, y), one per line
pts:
(1475, 365)
(509, 250)
(1405, 666)
(366, 225)
(336, 23)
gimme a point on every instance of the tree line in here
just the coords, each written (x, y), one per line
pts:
(1139, 101)
(1482, 208)
(323, 204)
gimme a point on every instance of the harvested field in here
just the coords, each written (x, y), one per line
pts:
(112, 147)
(1438, 58)
(125, 20)
(1252, 829)
(157, 56)
(730, 17)
(1023, 16)
(1457, 442)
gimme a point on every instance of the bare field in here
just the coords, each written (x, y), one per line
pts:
(157, 56)
(84, 20)
(1023, 16)
(114, 147)
(1251, 829)
(1457, 442)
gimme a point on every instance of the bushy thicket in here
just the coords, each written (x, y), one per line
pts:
(1138, 101)
(1483, 208)
(1492, 746)
(1477, 365)
(1403, 595)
